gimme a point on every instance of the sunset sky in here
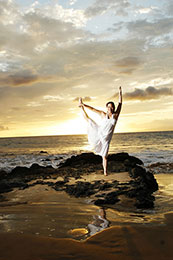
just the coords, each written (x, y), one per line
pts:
(52, 52)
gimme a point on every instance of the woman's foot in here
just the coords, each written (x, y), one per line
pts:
(105, 173)
(80, 102)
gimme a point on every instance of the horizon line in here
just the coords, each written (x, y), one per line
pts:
(149, 131)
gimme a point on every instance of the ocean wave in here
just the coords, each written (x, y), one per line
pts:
(153, 148)
(154, 161)
(10, 161)
(161, 167)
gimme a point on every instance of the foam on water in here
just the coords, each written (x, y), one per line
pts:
(150, 147)
(26, 160)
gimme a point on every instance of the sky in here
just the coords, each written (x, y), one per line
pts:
(52, 52)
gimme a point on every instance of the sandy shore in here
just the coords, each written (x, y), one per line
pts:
(41, 210)
(127, 242)
(33, 223)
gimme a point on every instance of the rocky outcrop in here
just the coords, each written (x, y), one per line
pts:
(140, 188)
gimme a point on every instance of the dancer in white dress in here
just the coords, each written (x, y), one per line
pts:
(100, 223)
(99, 136)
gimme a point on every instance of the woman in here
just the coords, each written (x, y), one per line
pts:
(99, 136)
(100, 223)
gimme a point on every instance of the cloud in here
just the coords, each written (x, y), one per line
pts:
(84, 99)
(128, 62)
(144, 28)
(33, 104)
(53, 98)
(99, 7)
(147, 94)
(80, 86)
(3, 128)
(145, 10)
(47, 29)
(26, 31)
(18, 78)
(57, 12)
(127, 71)
(12, 13)
(72, 2)
(169, 8)
(47, 51)
(16, 108)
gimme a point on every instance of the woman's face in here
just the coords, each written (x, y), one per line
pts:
(110, 108)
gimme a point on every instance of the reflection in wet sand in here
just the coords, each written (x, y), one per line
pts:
(100, 222)
(40, 210)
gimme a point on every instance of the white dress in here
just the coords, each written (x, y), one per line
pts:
(99, 136)
(94, 228)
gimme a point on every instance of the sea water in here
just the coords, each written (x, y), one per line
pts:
(150, 147)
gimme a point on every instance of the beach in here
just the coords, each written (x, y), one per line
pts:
(47, 212)
(127, 242)
(86, 130)
(30, 233)
(41, 223)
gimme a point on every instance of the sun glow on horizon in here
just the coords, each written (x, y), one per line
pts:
(54, 52)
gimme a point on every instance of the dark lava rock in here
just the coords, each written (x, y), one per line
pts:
(3, 175)
(124, 157)
(91, 158)
(19, 176)
(8, 185)
(100, 195)
(141, 186)
(120, 157)
(145, 202)
(59, 185)
(137, 171)
(90, 162)
(82, 159)
(2, 198)
(19, 171)
(105, 186)
(99, 202)
(35, 169)
(110, 199)
(80, 189)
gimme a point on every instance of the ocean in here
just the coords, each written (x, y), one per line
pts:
(151, 147)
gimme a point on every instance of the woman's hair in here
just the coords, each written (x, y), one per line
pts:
(112, 103)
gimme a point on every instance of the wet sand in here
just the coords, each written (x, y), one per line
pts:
(127, 242)
(41, 223)
(41, 210)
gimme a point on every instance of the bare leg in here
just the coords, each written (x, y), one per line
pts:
(84, 113)
(102, 213)
(105, 165)
(83, 110)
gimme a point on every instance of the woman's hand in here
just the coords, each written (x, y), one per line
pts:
(120, 95)
(81, 102)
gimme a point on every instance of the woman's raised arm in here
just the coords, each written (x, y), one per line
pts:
(118, 110)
